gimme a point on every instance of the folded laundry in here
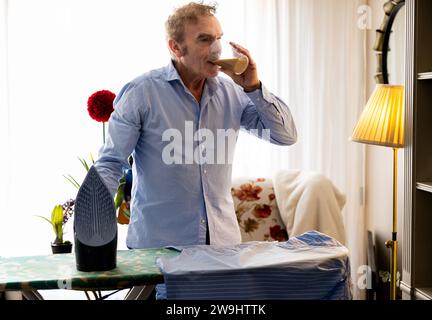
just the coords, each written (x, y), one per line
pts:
(310, 266)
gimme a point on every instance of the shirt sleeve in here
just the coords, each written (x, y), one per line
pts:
(124, 127)
(269, 118)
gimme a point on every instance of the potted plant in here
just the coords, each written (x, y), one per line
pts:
(123, 196)
(59, 216)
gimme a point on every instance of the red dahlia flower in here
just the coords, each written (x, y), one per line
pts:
(100, 105)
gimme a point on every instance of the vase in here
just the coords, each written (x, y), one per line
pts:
(61, 248)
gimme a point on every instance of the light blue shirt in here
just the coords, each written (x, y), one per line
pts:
(173, 203)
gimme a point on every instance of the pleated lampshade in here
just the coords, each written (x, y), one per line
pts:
(382, 120)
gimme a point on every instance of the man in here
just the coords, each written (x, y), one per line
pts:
(181, 190)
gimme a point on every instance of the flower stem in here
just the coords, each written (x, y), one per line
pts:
(103, 126)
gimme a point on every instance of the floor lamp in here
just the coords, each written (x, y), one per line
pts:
(382, 124)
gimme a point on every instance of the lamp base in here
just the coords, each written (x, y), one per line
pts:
(392, 245)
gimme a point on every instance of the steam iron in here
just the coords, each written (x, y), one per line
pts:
(95, 225)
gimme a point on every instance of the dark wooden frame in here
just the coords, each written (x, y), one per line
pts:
(391, 9)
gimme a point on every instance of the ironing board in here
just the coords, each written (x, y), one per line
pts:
(135, 268)
(310, 266)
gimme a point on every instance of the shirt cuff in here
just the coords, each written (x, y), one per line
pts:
(259, 94)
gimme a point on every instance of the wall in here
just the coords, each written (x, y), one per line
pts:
(379, 160)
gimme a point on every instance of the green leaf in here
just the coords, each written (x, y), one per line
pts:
(127, 213)
(46, 220)
(91, 158)
(84, 163)
(57, 221)
(57, 215)
(120, 193)
(72, 181)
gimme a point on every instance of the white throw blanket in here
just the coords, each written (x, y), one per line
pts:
(309, 201)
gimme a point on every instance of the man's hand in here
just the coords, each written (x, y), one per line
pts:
(248, 79)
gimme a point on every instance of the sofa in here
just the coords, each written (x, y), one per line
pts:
(257, 210)
(287, 205)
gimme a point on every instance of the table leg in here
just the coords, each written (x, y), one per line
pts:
(31, 295)
(140, 293)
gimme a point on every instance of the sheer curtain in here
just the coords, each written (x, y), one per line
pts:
(59, 53)
(316, 62)
(56, 53)
(4, 120)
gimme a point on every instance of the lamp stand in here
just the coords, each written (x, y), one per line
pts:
(392, 244)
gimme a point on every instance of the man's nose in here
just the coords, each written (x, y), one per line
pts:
(215, 49)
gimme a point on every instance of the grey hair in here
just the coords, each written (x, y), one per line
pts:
(189, 13)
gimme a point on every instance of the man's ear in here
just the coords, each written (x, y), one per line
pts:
(175, 48)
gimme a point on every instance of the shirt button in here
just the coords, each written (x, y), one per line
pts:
(205, 171)
(203, 221)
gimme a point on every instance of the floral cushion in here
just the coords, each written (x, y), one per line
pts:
(257, 211)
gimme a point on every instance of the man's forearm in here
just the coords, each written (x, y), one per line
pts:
(275, 116)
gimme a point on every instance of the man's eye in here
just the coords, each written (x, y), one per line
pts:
(207, 40)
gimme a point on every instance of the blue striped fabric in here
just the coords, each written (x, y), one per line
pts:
(311, 266)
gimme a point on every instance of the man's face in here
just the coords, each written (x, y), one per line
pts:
(196, 46)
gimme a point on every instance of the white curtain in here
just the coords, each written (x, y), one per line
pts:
(56, 53)
(4, 121)
(53, 56)
(316, 62)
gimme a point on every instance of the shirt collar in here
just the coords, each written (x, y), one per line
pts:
(172, 75)
(171, 72)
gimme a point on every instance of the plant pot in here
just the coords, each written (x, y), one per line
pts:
(61, 248)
